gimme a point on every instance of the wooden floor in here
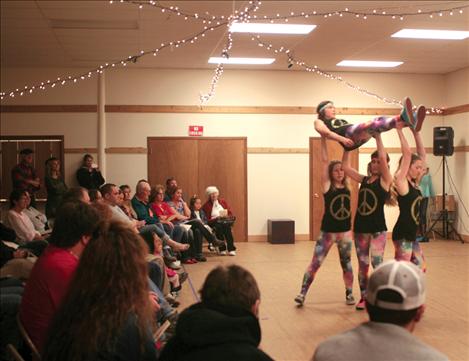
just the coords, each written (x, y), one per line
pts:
(291, 333)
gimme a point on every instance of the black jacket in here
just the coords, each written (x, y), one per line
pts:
(89, 180)
(218, 334)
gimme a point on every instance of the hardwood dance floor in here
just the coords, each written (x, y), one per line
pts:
(291, 333)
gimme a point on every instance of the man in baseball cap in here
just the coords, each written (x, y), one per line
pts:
(395, 303)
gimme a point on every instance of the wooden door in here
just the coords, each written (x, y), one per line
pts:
(316, 205)
(198, 163)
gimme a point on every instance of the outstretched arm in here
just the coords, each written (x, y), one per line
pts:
(349, 171)
(401, 174)
(326, 183)
(326, 133)
(386, 176)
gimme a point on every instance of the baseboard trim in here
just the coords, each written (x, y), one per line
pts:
(263, 237)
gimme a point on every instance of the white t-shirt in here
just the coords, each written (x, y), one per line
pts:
(38, 219)
(22, 226)
(119, 215)
(216, 209)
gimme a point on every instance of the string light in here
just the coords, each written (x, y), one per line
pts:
(315, 69)
(123, 62)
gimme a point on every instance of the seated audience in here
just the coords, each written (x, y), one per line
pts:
(11, 290)
(55, 186)
(76, 194)
(107, 313)
(141, 205)
(198, 217)
(220, 218)
(38, 219)
(395, 304)
(75, 225)
(24, 176)
(127, 204)
(171, 184)
(224, 325)
(14, 262)
(18, 220)
(95, 196)
(89, 175)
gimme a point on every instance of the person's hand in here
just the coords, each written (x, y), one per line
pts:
(154, 301)
(347, 142)
(20, 253)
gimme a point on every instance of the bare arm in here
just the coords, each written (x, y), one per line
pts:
(401, 174)
(326, 133)
(326, 183)
(420, 147)
(386, 176)
(349, 171)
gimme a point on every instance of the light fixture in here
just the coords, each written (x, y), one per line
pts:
(431, 34)
(247, 61)
(370, 63)
(268, 28)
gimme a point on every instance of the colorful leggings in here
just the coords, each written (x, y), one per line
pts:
(323, 245)
(362, 132)
(366, 243)
(409, 251)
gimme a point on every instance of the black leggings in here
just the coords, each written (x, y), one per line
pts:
(223, 231)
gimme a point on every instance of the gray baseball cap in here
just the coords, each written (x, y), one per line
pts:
(402, 277)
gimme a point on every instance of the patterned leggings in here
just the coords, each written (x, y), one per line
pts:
(366, 243)
(409, 251)
(323, 245)
(362, 132)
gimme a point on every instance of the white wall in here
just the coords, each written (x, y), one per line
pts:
(278, 184)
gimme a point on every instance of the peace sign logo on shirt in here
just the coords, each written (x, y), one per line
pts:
(415, 209)
(338, 209)
(369, 202)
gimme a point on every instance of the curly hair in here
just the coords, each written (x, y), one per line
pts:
(109, 287)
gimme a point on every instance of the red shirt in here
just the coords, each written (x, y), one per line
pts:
(162, 209)
(44, 291)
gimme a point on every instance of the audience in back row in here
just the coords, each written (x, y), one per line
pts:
(55, 186)
(89, 176)
(24, 176)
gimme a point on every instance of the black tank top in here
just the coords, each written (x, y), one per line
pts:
(409, 211)
(337, 213)
(370, 210)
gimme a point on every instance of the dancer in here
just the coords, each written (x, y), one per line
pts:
(352, 136)
(411, 166)
(370, 226)
(335, 226)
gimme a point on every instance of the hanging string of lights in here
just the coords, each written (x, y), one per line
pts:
(388, 12)
(292, 60)
(62, 80)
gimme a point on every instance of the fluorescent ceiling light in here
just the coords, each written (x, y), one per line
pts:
(431, 34)
(231, 60)
(261, 28)
(370, 63)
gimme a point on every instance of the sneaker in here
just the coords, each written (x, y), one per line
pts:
(300, 299)
(175, 265)
(360, 305)
(419, 116)
(200, 258)
(406, 113)
(349, 300)
(222, 253)
(189, 261)
(232, 253)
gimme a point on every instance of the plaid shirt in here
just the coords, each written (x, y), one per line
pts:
(21, 172)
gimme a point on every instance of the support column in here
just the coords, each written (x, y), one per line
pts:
(101, 124)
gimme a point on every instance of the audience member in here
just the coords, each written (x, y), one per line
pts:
(171, 184)
(24, 176)
(38, 219)
(76, 194)
(10, 298)
(18, 220)
(224, 325)
(127, 201)
(95, 196)
(395, 304)
(55, 186)
(106, 315)
(14, 262)
(89, 176)
(220, 218)
(75, 225)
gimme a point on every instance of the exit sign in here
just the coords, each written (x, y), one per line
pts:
(196, 130)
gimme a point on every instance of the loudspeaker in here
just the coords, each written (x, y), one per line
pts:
(443, 138)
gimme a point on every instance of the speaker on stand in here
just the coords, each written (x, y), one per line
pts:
(443, 145)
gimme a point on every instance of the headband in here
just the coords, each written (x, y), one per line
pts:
(325, 106)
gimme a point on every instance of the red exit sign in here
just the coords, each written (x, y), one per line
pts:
(196, 130)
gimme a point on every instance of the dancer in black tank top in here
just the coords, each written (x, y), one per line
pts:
(352, 136)
(411, 167)
(335, 226)
(370, 224)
